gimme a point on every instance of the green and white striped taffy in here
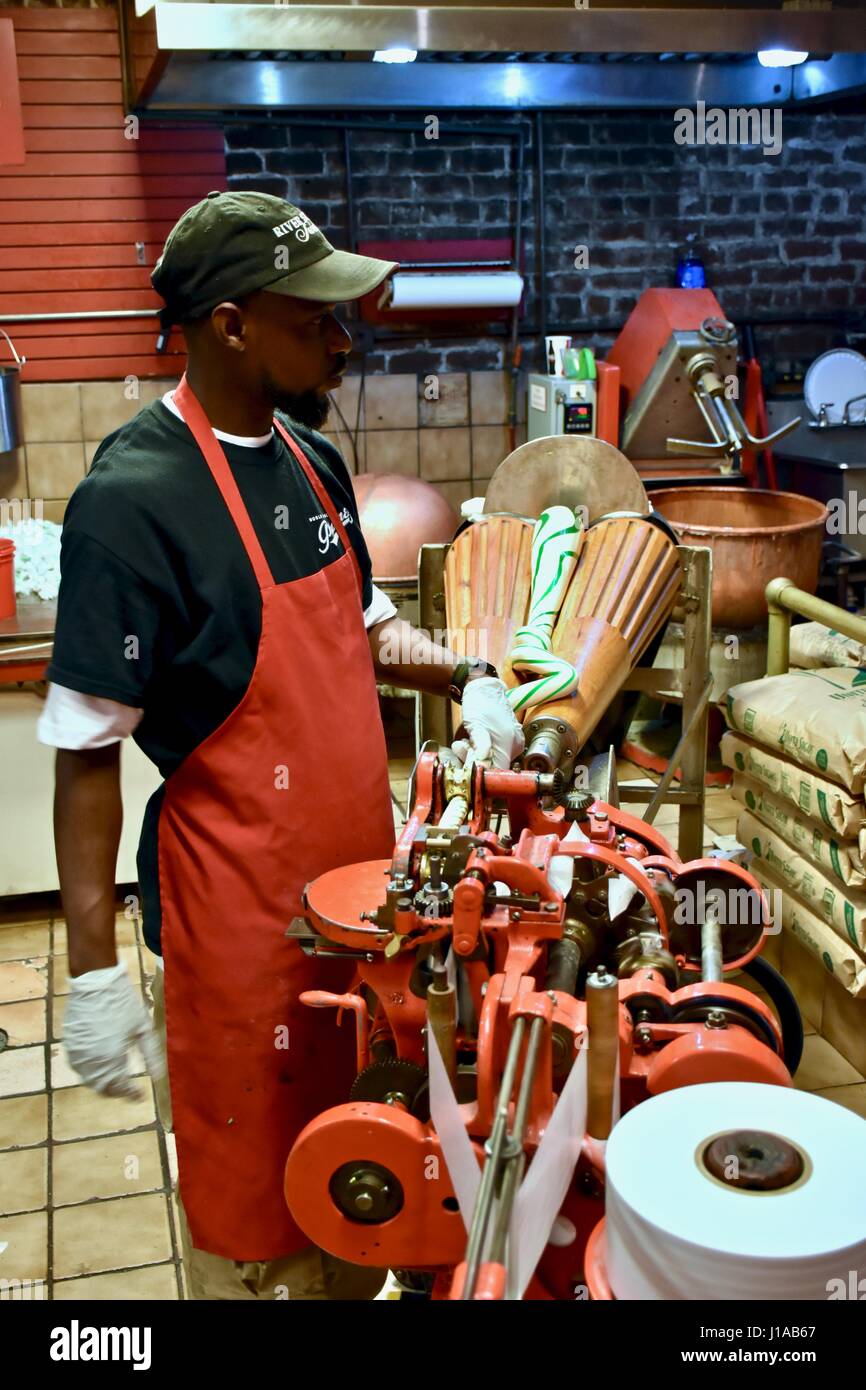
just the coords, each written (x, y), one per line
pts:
(555, 548)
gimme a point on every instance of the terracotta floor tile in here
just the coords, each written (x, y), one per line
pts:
(23, 979)
(24, 1022)
(115, 1167)
(852, 1097)
(26, 1241)
(151, 1283)
(63, 1075)
(128, 954)
(79, 1113)
(58, 1009)
(23, 1121)
(23, 1181)
(22, 1069)
(24, 941)
(823, 1067)
(102, 1236)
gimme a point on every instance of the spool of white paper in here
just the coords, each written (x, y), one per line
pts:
(674, 1231)
(492, 289)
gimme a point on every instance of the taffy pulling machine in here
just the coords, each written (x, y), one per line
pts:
(534, 961)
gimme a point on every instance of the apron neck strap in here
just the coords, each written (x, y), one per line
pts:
(191, 409)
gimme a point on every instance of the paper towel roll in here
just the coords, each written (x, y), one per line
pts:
(674, 1231)
(492, 289)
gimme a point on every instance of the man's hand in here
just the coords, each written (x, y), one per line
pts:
(105, 1015)
(494, 734)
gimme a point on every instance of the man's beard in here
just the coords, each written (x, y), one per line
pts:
(306, 407)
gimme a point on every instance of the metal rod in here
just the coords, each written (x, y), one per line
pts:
(602, 1017)
(350, 199)
(451, 265)
(516, 1160)
(243, 117)
(79, 314)
(697, 638)
(515, 313)
(30, 647)
(442, 1018)
(783, 599)
(540, 220)
(673, 761)
(493, 1148)
(711, 950)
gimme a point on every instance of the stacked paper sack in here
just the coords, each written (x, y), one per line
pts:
(797, 747)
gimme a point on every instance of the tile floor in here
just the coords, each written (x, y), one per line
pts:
(86, 1208)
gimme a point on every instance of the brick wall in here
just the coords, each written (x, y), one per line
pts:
(781, 235)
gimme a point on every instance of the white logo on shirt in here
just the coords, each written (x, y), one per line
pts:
(328, 532)
(327, 536)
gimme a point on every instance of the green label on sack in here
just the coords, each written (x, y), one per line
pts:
(740, 762)
(834, 856)
(749, 720)
(756, 846)
(821, 759)
(822, 807)
(849, 923)
(828, 961)
(750, 800)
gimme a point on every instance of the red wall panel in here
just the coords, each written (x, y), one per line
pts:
(72, 213)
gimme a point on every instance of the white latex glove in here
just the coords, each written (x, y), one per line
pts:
(104, 1016)
(494, 734)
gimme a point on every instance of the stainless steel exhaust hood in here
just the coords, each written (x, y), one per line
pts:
(184, 57)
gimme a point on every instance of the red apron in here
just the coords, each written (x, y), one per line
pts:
(293, 783)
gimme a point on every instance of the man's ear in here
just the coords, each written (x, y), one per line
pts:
(227, 321)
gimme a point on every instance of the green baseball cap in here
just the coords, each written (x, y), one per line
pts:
(231, 244)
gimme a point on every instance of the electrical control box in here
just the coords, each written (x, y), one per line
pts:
(558, 405)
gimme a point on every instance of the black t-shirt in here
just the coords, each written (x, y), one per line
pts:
(159, 607)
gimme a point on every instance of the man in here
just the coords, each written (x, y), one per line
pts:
(216, 603)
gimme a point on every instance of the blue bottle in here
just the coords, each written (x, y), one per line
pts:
(690, 271)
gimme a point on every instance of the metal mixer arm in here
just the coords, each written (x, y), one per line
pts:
(737, 435)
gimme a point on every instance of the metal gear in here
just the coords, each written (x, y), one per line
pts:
(394, 1079)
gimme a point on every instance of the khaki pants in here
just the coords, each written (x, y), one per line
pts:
(310, 1274)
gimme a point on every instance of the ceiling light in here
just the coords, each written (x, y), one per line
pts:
(395, 55)
(514, 84)
(780, 58)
